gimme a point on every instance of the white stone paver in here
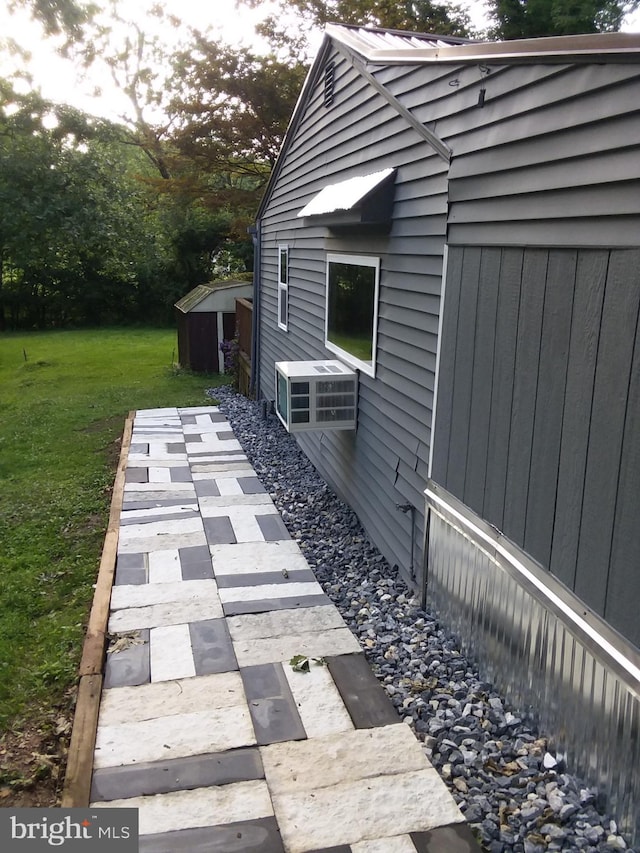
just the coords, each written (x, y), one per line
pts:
(160, 475)
(272, 590)
(257, 557)
(364, 809)
(212, 444)
(199, 807)
(281, 623)
(158, 460)
(201, 417)
(164, 698)
(175, 736)
(153, 491)
(343, 757)
(233, 500)
(142, 516)
(229, 486)
(161, 542)
(160, 529)
(205, 425)
(226, 467)
(198, 410)
(159, 413)
(319, 703)
(160, 435)
(170, 653)
(215, 468)
(164, 566)
(144, 595)
(338, 641)
(158, 615)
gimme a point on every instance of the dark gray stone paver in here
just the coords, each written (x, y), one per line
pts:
(271, 704)
(212, 647)
(177, 774)
(130, 666)
(252, 836)
(363, 695)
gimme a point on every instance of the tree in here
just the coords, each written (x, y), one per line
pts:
(138, 63)
(537, 18)
(58, 16)
(74, 224)
(232, 107)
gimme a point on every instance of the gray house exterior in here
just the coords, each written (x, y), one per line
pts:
(491, 191)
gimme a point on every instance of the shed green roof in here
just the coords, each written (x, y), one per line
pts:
(199, 293)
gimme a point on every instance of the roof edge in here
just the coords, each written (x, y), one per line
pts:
(610, 45)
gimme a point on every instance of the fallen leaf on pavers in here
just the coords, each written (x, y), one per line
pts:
(302, 663)
(124, 641)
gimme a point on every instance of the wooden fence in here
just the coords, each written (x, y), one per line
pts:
(244, 323)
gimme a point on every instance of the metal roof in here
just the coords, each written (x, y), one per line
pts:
(390, 40)
(345, 194)
(392, 47)
(199, 293)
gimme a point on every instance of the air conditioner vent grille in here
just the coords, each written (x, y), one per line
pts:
(316, 395)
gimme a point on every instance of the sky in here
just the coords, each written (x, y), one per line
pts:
(58, 80)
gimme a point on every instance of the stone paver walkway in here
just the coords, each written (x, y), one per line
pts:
(204, 725)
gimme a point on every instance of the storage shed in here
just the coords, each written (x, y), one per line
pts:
(459, 223)
(205, 317)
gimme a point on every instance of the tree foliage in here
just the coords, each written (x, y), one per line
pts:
(537, 18)
(233, 105)
(84, 235)
(411, 15)
(59, 16)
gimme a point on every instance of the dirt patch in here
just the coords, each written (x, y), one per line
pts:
(32, 761)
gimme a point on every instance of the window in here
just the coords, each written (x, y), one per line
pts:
(283, 286)
(352, 309)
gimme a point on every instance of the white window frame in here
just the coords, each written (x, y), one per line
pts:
(369, 368)
(283, 286)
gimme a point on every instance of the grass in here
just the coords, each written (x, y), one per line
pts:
(64, 397)
(358, 345)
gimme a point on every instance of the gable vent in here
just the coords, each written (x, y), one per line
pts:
(329, 83)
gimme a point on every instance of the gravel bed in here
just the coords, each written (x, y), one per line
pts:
(514, 793)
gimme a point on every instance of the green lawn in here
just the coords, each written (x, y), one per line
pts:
(64, 397)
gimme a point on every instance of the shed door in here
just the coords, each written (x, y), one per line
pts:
(203, 342)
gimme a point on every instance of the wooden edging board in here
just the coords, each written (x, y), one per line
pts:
(77, 783)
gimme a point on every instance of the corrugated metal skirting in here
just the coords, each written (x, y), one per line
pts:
(573, 685)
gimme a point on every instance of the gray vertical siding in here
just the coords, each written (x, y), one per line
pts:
(556, 437)
(385, 462)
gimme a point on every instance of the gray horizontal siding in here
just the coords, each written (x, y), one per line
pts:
(552, 159)
(385, 462)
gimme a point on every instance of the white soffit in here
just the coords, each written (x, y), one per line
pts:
(345, 194)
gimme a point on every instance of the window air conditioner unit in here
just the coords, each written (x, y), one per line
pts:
(318, 395)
